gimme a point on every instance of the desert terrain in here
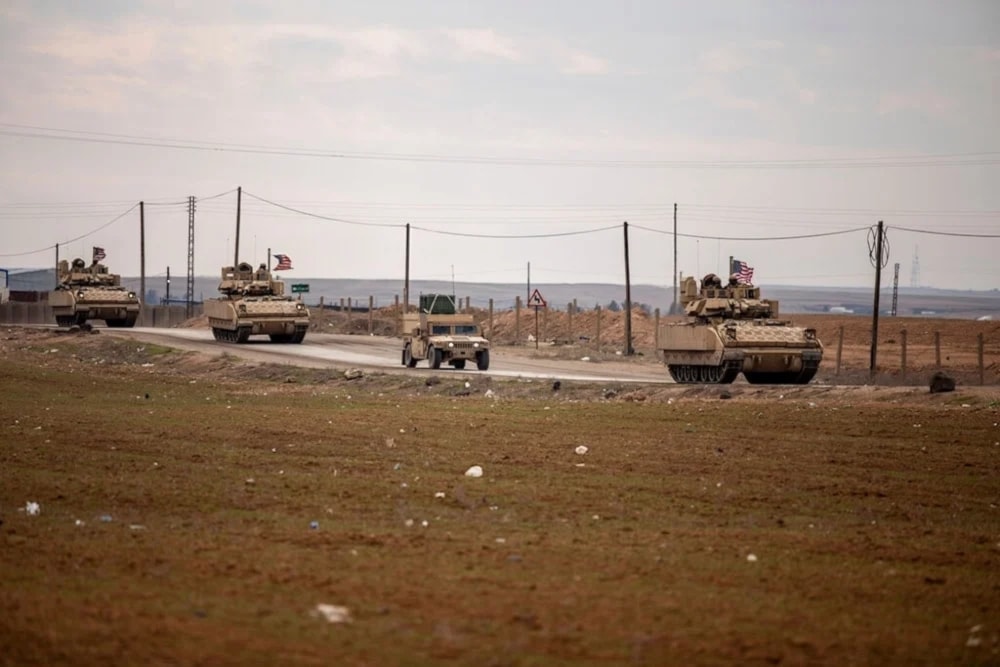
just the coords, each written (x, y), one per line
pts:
(161, 506)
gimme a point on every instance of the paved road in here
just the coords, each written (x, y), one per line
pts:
(322, 350)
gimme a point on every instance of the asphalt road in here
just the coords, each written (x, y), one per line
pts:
(378, 352)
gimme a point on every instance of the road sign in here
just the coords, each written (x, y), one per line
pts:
(298, 288)
(536, 300)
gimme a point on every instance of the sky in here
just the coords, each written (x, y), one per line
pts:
(506, 133)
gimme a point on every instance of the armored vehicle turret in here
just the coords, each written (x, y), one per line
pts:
(252, 303)
(729, 329)
(91, 293)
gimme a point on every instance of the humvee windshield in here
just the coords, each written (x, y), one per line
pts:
(440, 329)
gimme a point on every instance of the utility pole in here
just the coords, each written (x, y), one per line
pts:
(528, 293)
(168, 285)
(674, 309)
(406, 278)
(895, 289)
(236, 247)
(879, 261)
(142, 252)
(57, 266)
(190, 265)
(628, 299)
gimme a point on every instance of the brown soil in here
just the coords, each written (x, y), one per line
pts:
(811, 525)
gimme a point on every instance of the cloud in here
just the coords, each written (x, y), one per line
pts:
(925, 102)
(716, 92)
(723, 60)
(484, 42)
(572, 61)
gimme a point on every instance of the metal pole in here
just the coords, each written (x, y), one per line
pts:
(528, 293)
(628, 298)
(406, 279)
(57, 265)
(142, 252)
(674, 309)
(168, 285)
(878, 283)
(236, 246)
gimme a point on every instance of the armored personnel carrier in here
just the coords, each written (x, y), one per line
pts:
(91, 293)
(440, 335)
(254, 304)
(730, 330)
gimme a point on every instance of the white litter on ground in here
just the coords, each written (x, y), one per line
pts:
(333, 613)
(32, 508)
(474, 471)
(581, 449)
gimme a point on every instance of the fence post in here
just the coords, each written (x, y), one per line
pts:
(517, 320)
(545, 324)
(902, 350)
(371, 314)
(840, 348)
(656, 329)
(491, 319)
(982, 367)
(598, 337)
(937, 349)
(569, 316)
(349, 309)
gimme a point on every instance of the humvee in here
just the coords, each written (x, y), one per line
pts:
(443, 337)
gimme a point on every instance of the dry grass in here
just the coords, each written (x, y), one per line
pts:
(872, 516)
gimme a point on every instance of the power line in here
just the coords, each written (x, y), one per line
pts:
(982, 158)
(82, 236)
(939, 233)
(322, 217)
(516, 236)
(754, 238)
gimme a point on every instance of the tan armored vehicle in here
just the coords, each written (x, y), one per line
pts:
(731, 330)
(254, 304)
(440, 335)
(91, 293)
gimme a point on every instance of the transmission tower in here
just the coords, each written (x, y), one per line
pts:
(915, 269)
(190, 276)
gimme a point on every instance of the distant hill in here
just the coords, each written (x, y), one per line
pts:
(911, 301)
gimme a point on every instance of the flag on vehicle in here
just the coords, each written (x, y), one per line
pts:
(284, 262)
(99, 254)
(742, 271)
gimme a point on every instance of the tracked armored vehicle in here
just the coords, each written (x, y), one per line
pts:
(255, 304)
(730, 330)
(441, 336)
(91, 293)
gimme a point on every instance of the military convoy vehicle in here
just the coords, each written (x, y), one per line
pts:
(254, 304)
(730, 330)
(91, 293)
(440, 335)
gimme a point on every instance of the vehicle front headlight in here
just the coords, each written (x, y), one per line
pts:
(451, 345)
(131, 295)
(299, 306)
(475, 345)
(79, 293)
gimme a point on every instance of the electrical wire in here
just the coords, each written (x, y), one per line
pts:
(982, 158)
(940, 233)
(82, 236)
(515, 236)
(322, 217)
(753, 238)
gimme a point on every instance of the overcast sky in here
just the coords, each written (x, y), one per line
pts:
(476, 120)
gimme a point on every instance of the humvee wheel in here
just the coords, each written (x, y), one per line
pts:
(408, 357)
(483, 360)
(459, 364)
(435, 356)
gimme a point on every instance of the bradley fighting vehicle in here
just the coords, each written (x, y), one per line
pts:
(440, 335)
(731, 330)
(253, 303)
(91, 293)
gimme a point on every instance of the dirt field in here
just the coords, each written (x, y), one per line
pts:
(196, 510)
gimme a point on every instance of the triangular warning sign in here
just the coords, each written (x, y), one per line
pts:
(536, 300)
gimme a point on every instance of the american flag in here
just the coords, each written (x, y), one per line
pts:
(743, 271)
(99, 254)
(284, 262)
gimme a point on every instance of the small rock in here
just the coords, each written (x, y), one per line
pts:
(439, 494)
(751, 558)
(105, 518)
(32, 508)
(353, 374)
(557, 385)
(474, 471)
(333, 613)
(489, 393)
(724, 395)
(432, 380)
(581, 449)
(314, 525)
(942, 382)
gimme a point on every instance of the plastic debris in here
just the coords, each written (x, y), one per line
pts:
(333, 613)
(137, 526)
(489, 393)
(32, 508)
(581, 449)
(105, 518)
(751, 558)
(314, 525)
(474, 471)
(439, 494)
(468, 384)
(78, 522)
